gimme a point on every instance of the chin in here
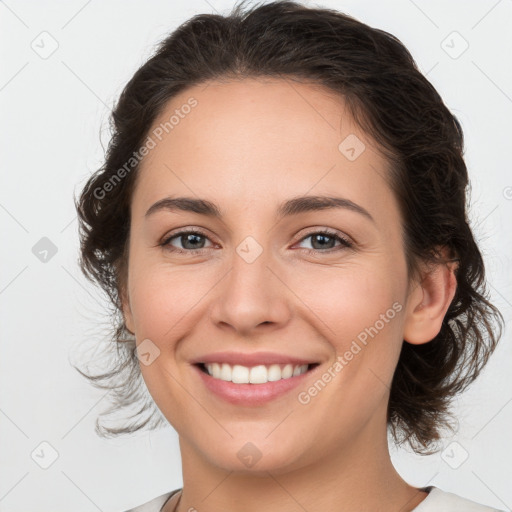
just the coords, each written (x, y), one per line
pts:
(256, 457)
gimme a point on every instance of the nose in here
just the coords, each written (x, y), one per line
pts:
(251, 297)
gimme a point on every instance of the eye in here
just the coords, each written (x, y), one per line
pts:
(190, 238)
(324, 239)
(191, 241)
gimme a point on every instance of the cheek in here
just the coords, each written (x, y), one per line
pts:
(359, 311)
(161, 298)
(350, 298)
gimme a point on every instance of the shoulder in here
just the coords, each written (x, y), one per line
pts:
(155, 504)
(443, 501)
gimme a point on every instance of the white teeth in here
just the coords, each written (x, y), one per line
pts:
(225, 372)
(274, 372)
(240, 374)
(258, 375)
(255, 375)
(287, 371)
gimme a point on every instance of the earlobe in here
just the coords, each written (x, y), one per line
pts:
(127, 313)
(128, 320)
(428, 303)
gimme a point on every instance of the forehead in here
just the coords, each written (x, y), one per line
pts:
(261, 141)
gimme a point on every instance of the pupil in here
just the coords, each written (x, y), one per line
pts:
(324, 237)
(189, 238)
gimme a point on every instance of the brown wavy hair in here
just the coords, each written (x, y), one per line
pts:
(393, 103)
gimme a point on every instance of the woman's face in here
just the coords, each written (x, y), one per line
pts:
(248, 148)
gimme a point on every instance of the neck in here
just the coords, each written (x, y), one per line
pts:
(357, 477)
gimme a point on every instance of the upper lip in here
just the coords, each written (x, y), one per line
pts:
(251, 359)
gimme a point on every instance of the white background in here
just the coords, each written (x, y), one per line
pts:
(52, 112)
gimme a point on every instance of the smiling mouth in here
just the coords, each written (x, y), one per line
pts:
(259, 374)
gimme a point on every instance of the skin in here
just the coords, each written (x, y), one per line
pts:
(247, 146)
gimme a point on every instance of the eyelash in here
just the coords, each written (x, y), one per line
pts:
(345, 244)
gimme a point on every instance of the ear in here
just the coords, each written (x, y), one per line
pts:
(428, 302)
(126, 309)
(128, 317)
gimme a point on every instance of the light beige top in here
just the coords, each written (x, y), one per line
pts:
(436, 501)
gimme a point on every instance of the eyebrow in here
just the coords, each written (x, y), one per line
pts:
(290, 207)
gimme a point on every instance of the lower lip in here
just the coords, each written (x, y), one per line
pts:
(251, 394)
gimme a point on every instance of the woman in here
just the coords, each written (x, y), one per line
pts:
(281, 224)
